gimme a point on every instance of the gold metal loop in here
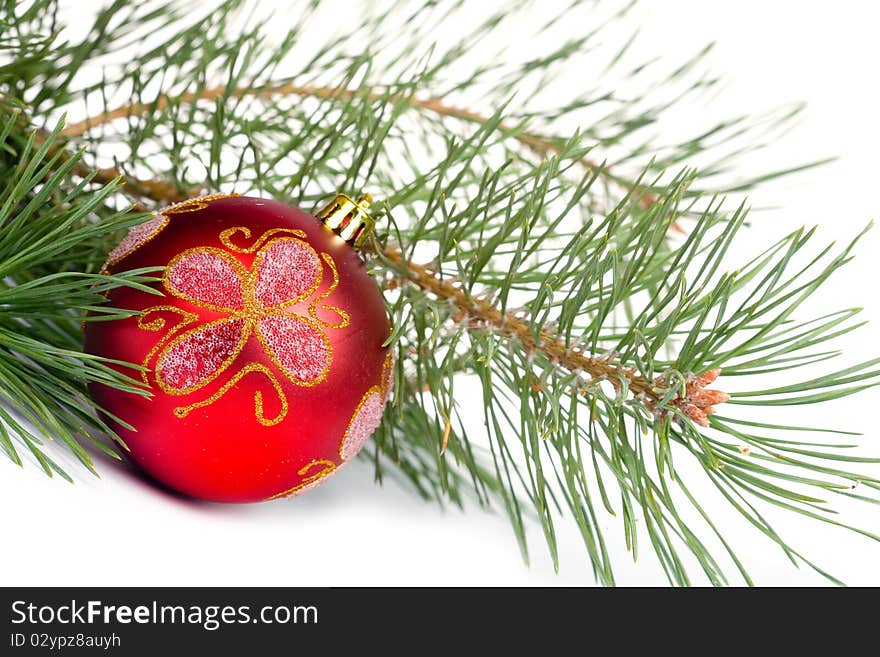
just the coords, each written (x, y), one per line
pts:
(349, 219)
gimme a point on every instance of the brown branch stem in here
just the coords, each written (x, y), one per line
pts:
(695, 403)
(537, 143)
(482, 312)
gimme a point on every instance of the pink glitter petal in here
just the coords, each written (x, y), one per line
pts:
(362, 426)
(137, 236)
(205, 276)
(199, 355)
(287, 269)
(298, 347)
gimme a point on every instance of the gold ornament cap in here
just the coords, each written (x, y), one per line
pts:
(349, 219)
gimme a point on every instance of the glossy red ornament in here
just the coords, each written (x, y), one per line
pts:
(264, 355)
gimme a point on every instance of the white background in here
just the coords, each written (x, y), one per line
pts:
(118, 530)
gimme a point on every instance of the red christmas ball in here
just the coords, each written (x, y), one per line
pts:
(263, 352)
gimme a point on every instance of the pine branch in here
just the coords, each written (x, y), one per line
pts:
(136, 189)
(42, 302)
(478, 312)
(541, 145)
(694, 401)
(508, 255)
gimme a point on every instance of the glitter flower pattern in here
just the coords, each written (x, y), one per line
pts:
(368, 413)
(286, 271)
(365, 420)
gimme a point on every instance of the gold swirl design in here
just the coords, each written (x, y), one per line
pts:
(157, 325)
(249, 314)
(190, 205)
(326, 468)
(195, 204)
(226, 237)
(344, 318)
(388, 374)
(259, 412)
